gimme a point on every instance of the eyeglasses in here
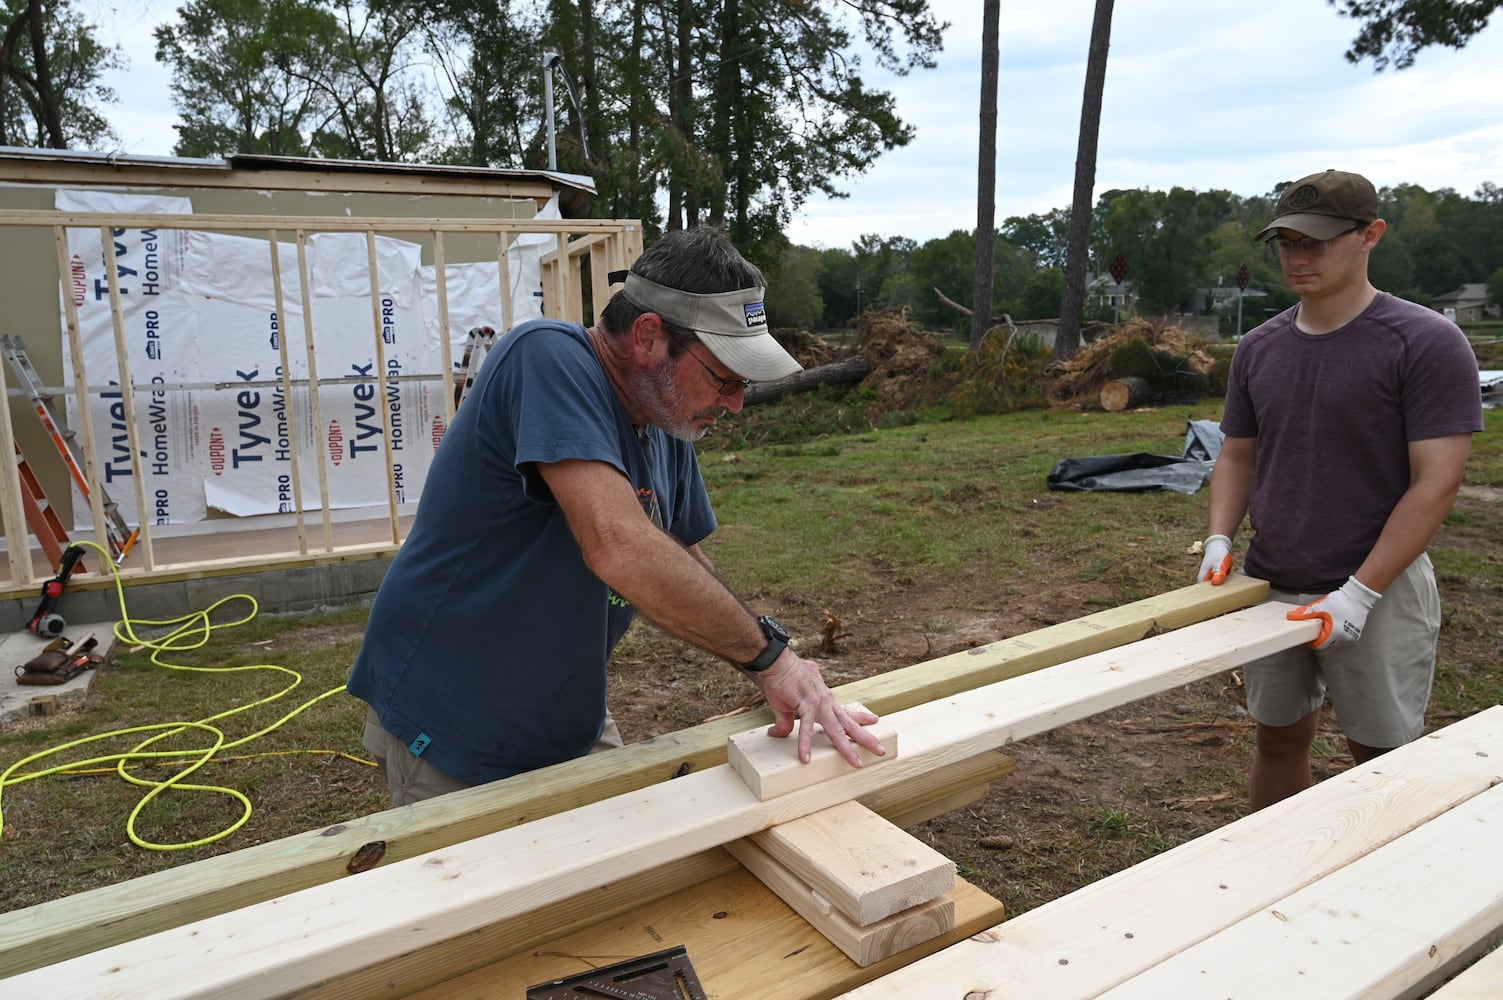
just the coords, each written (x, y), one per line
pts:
(728, 386)
(1283, 249)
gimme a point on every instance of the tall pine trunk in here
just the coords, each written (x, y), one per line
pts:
(986, 177)
(1072, 303)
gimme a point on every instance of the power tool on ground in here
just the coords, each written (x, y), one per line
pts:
(46, 622)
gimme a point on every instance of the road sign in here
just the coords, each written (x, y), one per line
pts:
(1118, 268)
(1242, 276)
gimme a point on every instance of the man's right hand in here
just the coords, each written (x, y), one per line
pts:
(797, 693)
(1217, 562)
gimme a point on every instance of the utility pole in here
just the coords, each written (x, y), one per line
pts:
(1241, 287)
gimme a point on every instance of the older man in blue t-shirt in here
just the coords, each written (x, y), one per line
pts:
(566, 497)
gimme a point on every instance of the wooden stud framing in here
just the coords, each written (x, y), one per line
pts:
(563, 282)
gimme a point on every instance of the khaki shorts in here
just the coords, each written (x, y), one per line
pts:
(1379, 685)
(411, 779)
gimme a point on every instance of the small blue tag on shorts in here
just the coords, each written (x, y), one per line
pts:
(418, 745)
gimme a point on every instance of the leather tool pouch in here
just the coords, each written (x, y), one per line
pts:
(58, 666)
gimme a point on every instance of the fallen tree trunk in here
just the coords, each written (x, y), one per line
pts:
(844, 372)
(1125, 393)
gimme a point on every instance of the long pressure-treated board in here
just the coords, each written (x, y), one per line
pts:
(89, 921)
(1103, 934)
(279, 946)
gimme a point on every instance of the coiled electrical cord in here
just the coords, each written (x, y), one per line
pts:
(188, 632)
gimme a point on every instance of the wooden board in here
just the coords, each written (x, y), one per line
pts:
(863, 865)
(770, 768)
(742, 940)
(328, 931)
(399, 974)
(864, 944)
(1483, 981)
(100, 918)
(1104, 934)
(1392, 923)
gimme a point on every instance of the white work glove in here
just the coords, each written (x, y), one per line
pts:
(1342, 613)
(1217, 562)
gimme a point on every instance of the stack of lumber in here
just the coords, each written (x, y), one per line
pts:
(338, 933)
(92, 921)
(870, 888)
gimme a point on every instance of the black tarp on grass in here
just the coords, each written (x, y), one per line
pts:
(1141, 472)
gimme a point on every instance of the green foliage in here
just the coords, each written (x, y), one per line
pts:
(59, 103)
(1040, 298)
(1164, 370)
(1218, 376)
(1045, 238)
(1002, 375)
(793, 298)
(1166, 239)
(1395, 31)
(254, 76)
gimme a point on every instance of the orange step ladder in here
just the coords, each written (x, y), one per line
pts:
(46, 525)
(40, 516)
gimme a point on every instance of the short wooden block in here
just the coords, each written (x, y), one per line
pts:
(770, 767)
(867, 868)
(863, 945)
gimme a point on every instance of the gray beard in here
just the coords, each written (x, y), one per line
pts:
(662, 400)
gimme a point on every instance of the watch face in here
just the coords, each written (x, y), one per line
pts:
(772, 628)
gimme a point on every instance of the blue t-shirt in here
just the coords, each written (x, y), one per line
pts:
(487, 642)
(1334, 415)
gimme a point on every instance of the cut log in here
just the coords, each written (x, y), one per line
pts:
(844, 372)
(1125, 393)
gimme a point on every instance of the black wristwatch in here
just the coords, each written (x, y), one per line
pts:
(777, 641)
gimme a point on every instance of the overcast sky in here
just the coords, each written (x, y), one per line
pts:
(1216, 95)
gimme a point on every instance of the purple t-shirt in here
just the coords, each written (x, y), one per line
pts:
(1334, 415)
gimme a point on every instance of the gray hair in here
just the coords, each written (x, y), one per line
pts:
(700, 260)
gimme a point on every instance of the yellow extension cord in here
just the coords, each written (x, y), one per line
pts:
(192, 632)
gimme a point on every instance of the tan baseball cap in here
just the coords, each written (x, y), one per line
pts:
(1324, 205)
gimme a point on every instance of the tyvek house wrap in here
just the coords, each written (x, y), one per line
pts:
(198, 310)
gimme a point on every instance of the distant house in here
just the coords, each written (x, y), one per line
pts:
(1466, 304)
(1101, 290)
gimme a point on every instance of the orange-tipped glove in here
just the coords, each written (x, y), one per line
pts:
(1342, 613)
(1217, 562)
